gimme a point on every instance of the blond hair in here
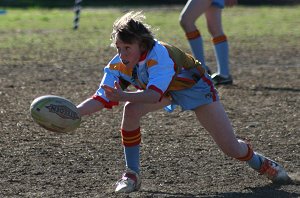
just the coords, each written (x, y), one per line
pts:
(130, 28)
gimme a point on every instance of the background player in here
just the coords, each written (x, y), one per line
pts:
(213, 14)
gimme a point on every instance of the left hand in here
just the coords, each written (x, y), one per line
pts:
(113, 94)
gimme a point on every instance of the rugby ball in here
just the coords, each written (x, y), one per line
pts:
(55, 113)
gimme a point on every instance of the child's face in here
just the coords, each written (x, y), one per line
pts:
(129, 53)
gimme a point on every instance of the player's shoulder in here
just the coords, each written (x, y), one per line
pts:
(159, 52)
(159, 46)
(158, 56)
(166, 49)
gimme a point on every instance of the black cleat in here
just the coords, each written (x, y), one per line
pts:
(208, 71)
(219, 79)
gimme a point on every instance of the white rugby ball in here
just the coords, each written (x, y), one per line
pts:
(55, 113)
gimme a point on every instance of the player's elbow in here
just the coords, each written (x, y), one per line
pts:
(154, 96)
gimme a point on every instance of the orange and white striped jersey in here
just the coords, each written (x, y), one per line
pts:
(164, 68)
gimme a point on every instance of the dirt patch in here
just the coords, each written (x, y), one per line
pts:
(178, 160)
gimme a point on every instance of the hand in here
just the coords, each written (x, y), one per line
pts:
(230, 3)
(113, 94)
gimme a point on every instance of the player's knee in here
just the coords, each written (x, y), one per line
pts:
(132, 110)
(183, 21)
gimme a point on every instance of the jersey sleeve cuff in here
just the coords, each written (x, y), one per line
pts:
(157, 90)
(106, 104)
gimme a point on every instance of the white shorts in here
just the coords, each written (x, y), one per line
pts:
(200, 94)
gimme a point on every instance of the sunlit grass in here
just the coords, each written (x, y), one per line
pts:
(53, 27)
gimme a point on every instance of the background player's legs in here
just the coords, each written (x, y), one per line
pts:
(220, 43)
(190, 13)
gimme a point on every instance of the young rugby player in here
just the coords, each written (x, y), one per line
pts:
(163, 75)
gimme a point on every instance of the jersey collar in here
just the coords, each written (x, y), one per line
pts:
(143, 56)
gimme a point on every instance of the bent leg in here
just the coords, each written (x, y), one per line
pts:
(134, 111)
(214, 21)
(214, 119)
(191, 12)
(131, 132)
(188, 16)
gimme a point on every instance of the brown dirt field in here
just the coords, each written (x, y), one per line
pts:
(178, 157)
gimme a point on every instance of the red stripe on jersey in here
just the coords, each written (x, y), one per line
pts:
(212, 89)
(143, 56)
(157, 90)
(106, 104)
(186, 79)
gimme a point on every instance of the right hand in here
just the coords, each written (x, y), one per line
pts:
(114, 94)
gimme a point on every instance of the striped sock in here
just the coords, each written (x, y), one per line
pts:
(252, 158)
(222, 54)
(131, 141)
(255, 162)
(196, 44)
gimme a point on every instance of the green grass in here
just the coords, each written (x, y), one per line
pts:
(263, 21)
(52, 28)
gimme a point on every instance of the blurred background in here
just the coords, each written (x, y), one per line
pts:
(67, 3)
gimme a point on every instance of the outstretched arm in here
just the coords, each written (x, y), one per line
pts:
(89, 106)
(117, 94)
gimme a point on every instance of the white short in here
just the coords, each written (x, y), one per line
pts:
(200, 94)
